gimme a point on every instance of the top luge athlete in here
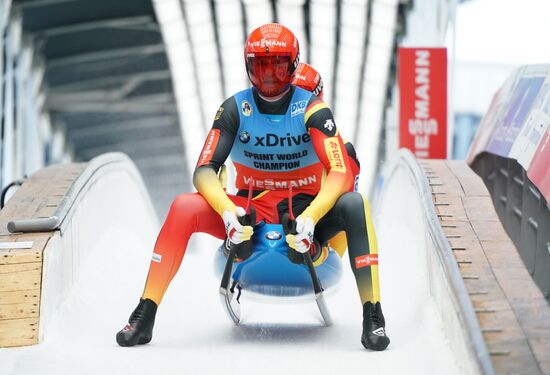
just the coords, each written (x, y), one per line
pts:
(278, 135)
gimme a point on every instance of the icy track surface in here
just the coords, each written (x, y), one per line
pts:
(193, 335)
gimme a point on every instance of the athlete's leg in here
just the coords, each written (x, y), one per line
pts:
(189, 213)
(351, 213)
(339, 243)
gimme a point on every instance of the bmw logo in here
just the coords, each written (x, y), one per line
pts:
(273, 235)
(244, 136)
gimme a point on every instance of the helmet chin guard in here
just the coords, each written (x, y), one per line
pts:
(271, 56)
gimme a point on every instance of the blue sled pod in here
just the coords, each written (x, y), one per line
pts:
(269, 272)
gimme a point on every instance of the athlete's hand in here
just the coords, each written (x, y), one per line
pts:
(236, 232)
(303, 239)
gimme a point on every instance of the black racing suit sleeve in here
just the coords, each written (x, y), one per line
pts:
(226, 123)
(214, 153)
(320, 117)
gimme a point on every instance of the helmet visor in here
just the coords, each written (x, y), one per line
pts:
(269, 74)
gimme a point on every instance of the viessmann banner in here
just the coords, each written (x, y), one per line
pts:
(423, 101)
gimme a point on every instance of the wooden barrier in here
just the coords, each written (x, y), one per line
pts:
(512, 312)
(21, 268)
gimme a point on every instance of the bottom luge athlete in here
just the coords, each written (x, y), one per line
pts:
(273, 117)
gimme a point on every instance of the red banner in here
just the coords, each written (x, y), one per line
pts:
(423, 101)
(539, 170)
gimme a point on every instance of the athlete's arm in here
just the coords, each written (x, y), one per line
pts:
(215, 151)
(331, 152)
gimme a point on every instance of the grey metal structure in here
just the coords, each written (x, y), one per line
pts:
(522, 210)
(145, 77)
(108, 84)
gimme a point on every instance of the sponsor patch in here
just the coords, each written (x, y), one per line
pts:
(297, 59)
(246, 108)
(274, 184)
(274, 140)
(156, 258)
(298, 108)
(273, 235)
(366, 261)
(317, 90)
(334, 155)
(379, 332)
(263, 43)
(218, 114)
(301, 77)
(209, 147)
(244, 136)
(329, 125)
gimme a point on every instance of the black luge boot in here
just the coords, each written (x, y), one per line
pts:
(139, 329)
(374, 333)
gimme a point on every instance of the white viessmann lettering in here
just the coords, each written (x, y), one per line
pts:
(270, 184)
(422, 126)
(267, 43)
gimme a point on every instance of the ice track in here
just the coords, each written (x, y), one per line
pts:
(193, 335)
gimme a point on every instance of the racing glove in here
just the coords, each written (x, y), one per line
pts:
(236, 232)
(303, 239)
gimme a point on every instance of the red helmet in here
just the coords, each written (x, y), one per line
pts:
(271, 54)
(309, 79)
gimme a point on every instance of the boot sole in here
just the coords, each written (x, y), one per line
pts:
(381, 346)
(126, 343)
